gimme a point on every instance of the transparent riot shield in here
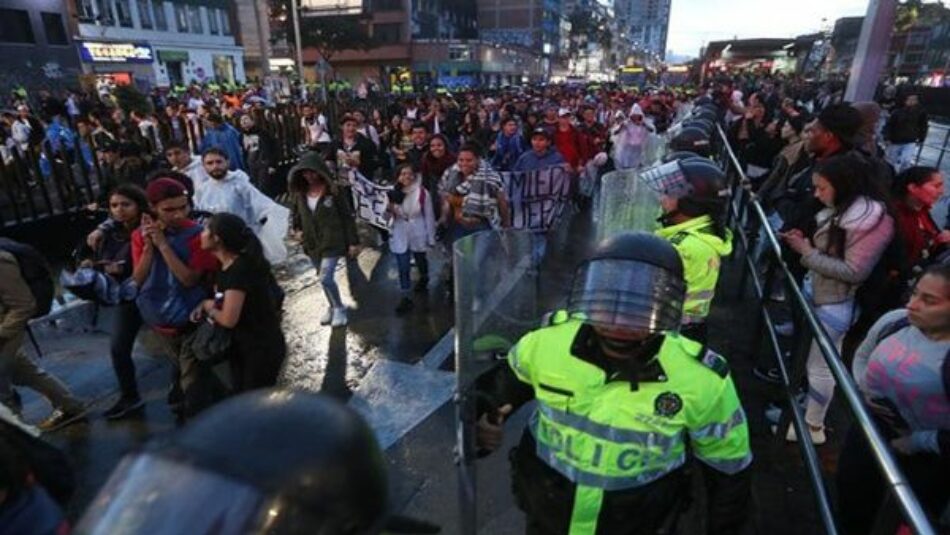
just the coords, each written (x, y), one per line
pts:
(625, 204)
(496, 302)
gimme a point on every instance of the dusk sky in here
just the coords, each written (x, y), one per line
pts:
(695, 22)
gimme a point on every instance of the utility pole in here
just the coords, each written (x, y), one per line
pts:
(872, 50)
(295, 15)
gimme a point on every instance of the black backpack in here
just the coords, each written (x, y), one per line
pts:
(36, 273)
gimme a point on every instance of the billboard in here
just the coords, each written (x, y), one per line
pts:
(316, 8)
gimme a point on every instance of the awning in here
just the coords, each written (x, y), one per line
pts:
(166, 56)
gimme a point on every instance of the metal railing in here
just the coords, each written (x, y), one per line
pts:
(745, 209)
(941, 132)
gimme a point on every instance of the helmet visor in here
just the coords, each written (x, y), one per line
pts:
(159, 496)
(626, 294)
(667, 179)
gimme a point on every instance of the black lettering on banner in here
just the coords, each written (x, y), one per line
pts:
(538, 197)
(370, 201)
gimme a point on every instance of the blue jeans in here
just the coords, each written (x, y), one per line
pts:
(403, 261)
(325, 273)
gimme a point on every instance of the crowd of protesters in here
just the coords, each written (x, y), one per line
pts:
(190, 218)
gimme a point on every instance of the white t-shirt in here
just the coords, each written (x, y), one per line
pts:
(317, 128)
(312, 202)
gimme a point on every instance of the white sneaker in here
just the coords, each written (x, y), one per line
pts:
(339, 317)
(817, 436)
(326, 317)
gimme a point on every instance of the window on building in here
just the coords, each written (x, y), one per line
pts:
(181, 17)
(460, 53)
(387, 33)
(85, 11)
(145, 14)
(225, 21)
(212, 21)
(15, 26)
(158, 9)
(123, 12)
(54, 29)
(194, 19)
(105, 12)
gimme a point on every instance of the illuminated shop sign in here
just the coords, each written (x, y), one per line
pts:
(100, 52)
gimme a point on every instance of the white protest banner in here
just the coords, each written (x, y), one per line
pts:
(538, 197)
(370, 200)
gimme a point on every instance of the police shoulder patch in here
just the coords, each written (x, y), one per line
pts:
(715, 362)
(667, 404)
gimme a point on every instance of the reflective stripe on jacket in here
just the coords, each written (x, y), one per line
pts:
(702, 252)
(603, 436)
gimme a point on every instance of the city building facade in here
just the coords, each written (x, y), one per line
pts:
(645, 24)
(36, 48)
(157, 43)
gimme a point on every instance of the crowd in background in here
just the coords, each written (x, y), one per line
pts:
(187, 187)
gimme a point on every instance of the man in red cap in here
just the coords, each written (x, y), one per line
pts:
(172, 273)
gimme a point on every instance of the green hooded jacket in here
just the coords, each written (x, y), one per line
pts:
(330, 228)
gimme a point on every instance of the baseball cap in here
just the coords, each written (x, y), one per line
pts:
(165, 188)
(564, 112)
(541, 132)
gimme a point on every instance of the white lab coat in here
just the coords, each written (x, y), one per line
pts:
(413, 222)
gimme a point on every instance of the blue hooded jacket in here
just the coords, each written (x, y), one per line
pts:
(228, 139)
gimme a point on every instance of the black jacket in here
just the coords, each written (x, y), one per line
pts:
(906, 125)
(369, 158)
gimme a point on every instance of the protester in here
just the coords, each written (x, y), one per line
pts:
(413, 232)
(260, 152)
(853, 229)
(113, 254)
(916, 190)
(180, 159)
(473, 196)
(327, 228)
(629, 138)
(509, 145)
(247, 306)
(541, 155)
(353, 150)
(905, 129)
(225, 137)
(569, 141)
(172, 273)
(903, 370)
(17, 307)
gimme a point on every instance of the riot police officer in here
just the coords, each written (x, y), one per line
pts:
(692, 139)
(619, 395)
(269, 461)
(693, 197)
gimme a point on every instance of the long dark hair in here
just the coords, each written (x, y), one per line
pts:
(917, 175)
(849, 175)
(134, 194)
(238, 238)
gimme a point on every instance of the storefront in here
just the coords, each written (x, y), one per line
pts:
(173, 63)
(114, 63)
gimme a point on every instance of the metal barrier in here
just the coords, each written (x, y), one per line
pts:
(940, 131)
(745, 209)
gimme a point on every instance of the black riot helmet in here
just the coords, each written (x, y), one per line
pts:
(708, 113)
(698, 185)
(679, 155)
(703, 124)
(691, 139)
(632, 281)
(269, 461)
(704, 100)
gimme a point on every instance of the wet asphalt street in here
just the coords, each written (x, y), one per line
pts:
(336, 361)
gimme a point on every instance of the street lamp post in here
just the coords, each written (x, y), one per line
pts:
(295, 16)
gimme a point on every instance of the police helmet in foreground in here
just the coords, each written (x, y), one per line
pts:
(692, 139)
(633, 282)
(270, 461)
(697, 184)
(679, 155)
